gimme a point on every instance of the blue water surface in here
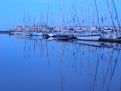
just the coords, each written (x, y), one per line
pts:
(42, 65)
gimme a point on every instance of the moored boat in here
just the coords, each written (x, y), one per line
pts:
(89, 37)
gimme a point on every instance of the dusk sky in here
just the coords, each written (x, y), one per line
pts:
(12, 12)
(60, 45)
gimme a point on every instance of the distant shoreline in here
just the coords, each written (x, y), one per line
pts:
(5, 32)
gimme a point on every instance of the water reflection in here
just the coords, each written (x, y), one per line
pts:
(61, 66)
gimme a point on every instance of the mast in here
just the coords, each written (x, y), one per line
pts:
(43, 21)
(117, 18)
(63, 21)
(98, 20)
(34, 24)
(90, 24)
(72, 20)
(108, 1)
(24, 19)
(61, 18)
(77, 18)
(47, 16)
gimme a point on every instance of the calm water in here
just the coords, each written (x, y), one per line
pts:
(43, 65)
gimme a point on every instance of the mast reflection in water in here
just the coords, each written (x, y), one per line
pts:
(41, 65)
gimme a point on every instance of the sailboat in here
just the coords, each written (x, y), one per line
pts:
(114, 34)
(91, 34)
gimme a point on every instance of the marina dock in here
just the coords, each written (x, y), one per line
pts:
(84, 33)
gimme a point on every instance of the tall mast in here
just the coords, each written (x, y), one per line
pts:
(24, 18)
(117, 18)
(34, 24)
(47, 16)
(98, 20)
(61, 18)
(77, 18)
(108, 1)
(90, 17)
(43, 20)
(63, 21)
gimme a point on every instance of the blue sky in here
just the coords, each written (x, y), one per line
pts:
(13, 11)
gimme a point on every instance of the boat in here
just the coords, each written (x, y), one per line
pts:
(64, 37)
(36, 34)
(89, 37)
(21, 33)
(51, 34)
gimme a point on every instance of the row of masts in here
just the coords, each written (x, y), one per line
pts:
(79, 31)
(76, 21)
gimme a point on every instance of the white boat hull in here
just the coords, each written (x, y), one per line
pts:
(88, 38)
(50, 34)
(21, 34)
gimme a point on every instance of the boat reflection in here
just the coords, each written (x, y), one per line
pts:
(76, 66)
(93, 66)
